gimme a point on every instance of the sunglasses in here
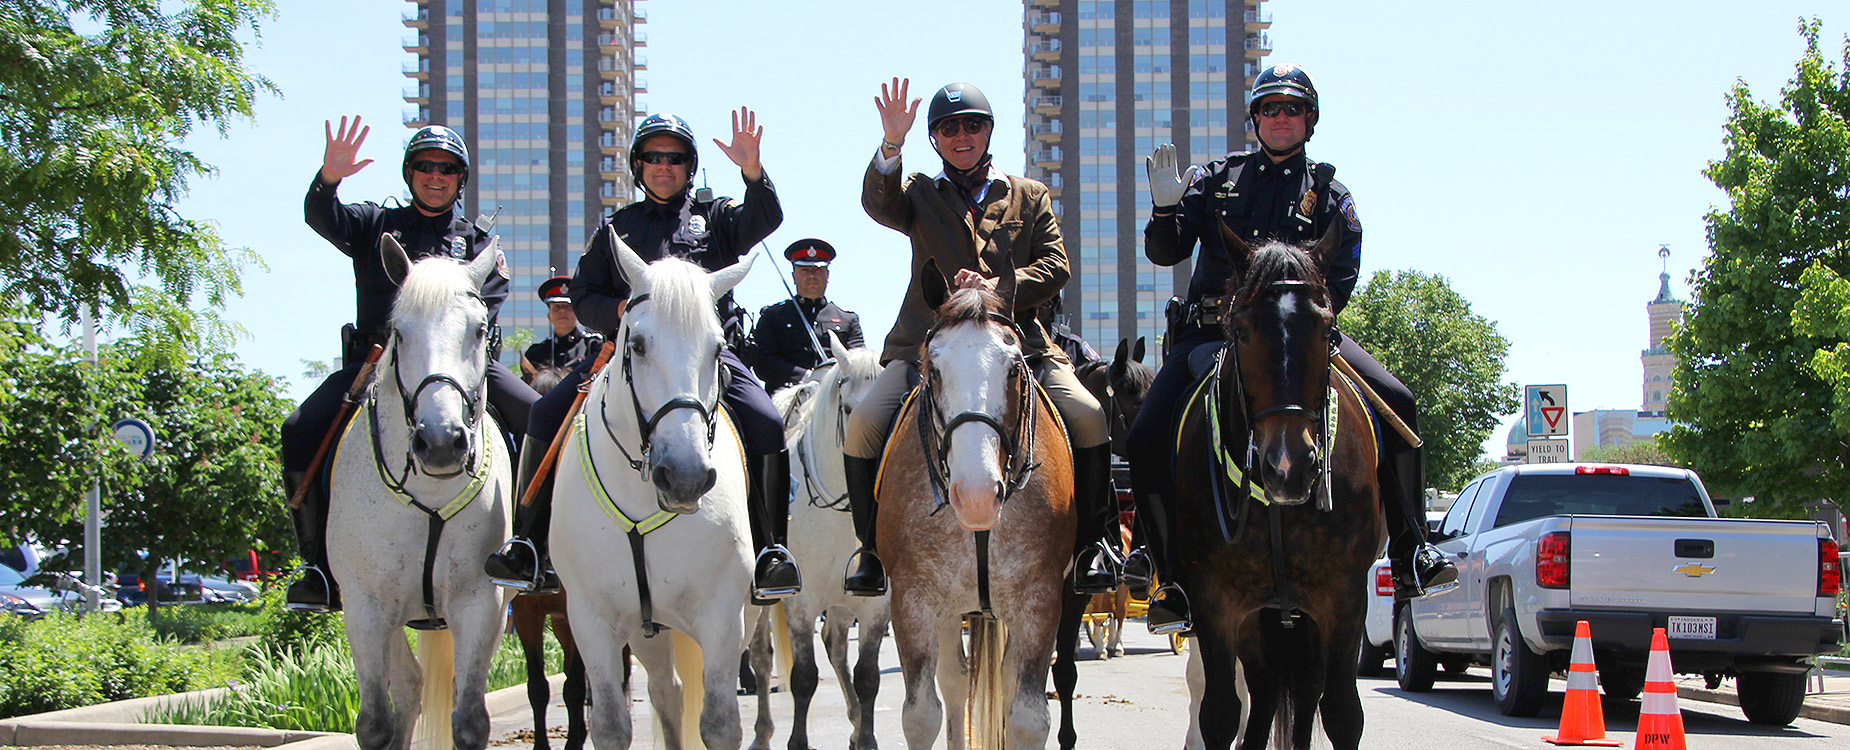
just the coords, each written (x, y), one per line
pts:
(436, 167)
(1288, 109)
(664, 157)
(971, 125)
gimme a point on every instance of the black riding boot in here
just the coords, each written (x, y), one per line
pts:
(522, 563)
(775, 574)
(1168, 612)
(314, 590)
(868, 576)
(1095, 565)
(1418, 567)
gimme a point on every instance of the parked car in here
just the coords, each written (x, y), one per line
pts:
(223, 589)
(32, 602)
(185, 588)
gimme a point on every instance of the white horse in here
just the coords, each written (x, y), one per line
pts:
(420, 490)
(649, 527)
(815, 414)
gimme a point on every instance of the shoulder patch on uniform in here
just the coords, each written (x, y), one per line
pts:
(1347, 206)
(501, 263)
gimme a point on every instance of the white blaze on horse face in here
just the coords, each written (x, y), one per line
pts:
(672, 342)
(974, 365)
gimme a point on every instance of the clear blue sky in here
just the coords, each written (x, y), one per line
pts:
(1535, 154)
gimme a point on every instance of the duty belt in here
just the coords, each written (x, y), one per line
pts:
(1205, 311)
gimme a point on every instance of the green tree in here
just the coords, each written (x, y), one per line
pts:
(1646, 452)
(1452, 360)
(91, 155)
(1759, 391)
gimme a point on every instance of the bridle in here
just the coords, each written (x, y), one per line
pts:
(1251, 419)
(472, 397)
(645, 425)
(820, 496)
(935, 431)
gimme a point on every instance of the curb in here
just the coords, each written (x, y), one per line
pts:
(1809, 710)
(115, 724)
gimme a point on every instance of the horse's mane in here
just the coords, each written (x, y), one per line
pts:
(681, 291)
(1138, 375)
(1275, 261)
(964, 306)
(430, 288)
(797, 402)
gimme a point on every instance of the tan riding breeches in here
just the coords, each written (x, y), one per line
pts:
(874, 416)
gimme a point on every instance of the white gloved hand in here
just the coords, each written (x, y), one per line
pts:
(1166, 184)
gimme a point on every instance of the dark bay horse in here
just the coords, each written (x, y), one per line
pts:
(1279, 519)
(1119, 385)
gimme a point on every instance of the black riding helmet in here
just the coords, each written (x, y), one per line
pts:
(1287, 80)
(436, 138)
(957, 99)
(663, 124)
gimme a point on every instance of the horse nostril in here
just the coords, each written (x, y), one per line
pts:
(659, 476)
(418, 443)
(712, 479)
(459, 439)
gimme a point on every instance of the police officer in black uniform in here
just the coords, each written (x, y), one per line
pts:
(435, 168)
(570, 342)
(1278, 194)
(792, 335)
(713, 233)
(1052, 314)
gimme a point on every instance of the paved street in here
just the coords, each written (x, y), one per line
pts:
(1141, 701)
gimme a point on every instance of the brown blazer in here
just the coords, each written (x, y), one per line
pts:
(1017, 230)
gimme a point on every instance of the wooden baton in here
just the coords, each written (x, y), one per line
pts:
(347, 403)
(565, 428)
(1336, 358)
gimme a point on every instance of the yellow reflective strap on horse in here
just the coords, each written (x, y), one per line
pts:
(1211, 401)
(484, 461)
(644, 526)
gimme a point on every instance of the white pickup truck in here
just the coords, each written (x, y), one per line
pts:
(1628, 549)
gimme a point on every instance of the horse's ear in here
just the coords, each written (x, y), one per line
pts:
(1124, 350)
(628, 262)
(1137, 351)
(392, 254)
(1119, 361)
(932, 284)
(726, 278)
(485, 263)
(1239, 254)
(836, 349)
(1325, 250)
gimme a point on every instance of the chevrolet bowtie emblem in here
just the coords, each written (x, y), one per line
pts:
(1693, 570)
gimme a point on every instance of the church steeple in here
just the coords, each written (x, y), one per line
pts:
(1663, 312)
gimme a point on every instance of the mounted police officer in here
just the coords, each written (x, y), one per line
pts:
(436, 169)
(1276, 193)
(673, 220)
(976, 222)
(791, 335)
(570, 343)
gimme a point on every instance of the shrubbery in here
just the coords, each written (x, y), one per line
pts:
(65, 661)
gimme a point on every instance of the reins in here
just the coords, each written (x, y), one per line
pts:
(819, 496)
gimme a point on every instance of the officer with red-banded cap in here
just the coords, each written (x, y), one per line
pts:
(792, 335)
(569, 344)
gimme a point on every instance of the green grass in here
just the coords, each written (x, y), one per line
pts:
(203, 623)
(66, 661)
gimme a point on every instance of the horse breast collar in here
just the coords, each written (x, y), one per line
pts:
(1237, 470)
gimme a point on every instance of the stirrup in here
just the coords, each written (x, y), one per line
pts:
(1182, 624)
(327, 586)
(1101, 557)
(1138, 574)
(878, 568)
(765, 595)
(533, 585)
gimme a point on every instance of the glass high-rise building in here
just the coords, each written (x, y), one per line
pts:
(544, 93)
(1108, 80)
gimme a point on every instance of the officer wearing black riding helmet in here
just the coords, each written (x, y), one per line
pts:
(1276, 193)
(436, 169)
(672, 220)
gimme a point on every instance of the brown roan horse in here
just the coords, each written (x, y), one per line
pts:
(1278, 520)
(981, 440)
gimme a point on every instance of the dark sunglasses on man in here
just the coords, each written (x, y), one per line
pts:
(436, 167)
(1288, 109)
(675, 158)
(972, 125)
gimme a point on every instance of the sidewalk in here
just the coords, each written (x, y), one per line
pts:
(1831, 703)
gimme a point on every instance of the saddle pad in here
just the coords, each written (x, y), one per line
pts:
(1202, 398)
(906, 407)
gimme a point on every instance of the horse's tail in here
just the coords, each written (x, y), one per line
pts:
(437, 658)
(989, 696)
(690, 665)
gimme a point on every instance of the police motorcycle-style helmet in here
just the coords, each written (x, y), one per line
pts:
(663, 124)
(957, 99)
(1287, 80)
(436, 138)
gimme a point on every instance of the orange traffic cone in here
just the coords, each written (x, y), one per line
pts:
(1582, 722)
(1660, 723)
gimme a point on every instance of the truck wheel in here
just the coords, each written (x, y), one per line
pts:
(1771, 698)
(1415, 668)
(1368, 663)
(1518, 676)
(1622, 684)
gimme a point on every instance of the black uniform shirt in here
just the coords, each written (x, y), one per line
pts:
(354, 228)
(786, 352)
(564, 351)
(713, 235)
(1261, 201)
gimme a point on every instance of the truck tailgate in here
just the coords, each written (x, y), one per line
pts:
(1694, 564)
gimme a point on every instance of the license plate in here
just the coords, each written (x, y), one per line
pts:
(1691, 628)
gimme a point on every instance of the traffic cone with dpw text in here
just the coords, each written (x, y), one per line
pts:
(1660, 723)
(1581, 720)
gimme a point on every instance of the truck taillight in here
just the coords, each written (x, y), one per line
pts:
(1830, 569)
(1384, 581)
(1618, 470)
(1551, 559)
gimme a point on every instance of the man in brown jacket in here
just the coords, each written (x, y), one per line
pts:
(977, 222)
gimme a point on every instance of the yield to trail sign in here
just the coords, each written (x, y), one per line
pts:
(1545, 407)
